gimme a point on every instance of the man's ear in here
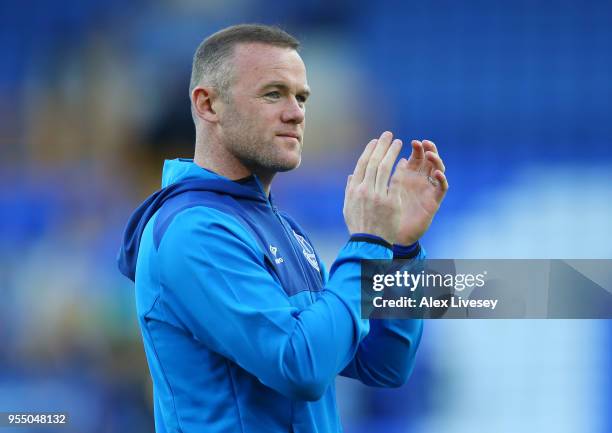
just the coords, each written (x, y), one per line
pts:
(205, 102)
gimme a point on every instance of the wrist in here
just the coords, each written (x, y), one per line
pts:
(370, 238)
(406, 251)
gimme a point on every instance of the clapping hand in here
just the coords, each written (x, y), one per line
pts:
(424, 186)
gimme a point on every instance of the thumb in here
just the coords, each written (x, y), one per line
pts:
(395, 185)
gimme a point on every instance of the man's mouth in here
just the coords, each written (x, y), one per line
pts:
(290, 135)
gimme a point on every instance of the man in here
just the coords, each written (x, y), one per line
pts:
(243, 327)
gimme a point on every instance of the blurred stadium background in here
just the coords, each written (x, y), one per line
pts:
(517, 95)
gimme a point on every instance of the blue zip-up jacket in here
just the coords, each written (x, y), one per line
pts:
(243, 328)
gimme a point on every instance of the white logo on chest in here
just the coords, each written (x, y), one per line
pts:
(274, 250)
(308, 251)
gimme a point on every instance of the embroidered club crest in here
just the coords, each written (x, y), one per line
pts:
(308, 251)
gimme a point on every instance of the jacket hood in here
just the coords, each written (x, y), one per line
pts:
(179, 176)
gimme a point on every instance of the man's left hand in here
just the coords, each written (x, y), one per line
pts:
(424, 187)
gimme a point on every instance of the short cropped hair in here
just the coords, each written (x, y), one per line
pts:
(210, 61)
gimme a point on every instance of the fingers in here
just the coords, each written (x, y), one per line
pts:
(435, 167)
(379, 153)
(434, 162)
(386, 165)
(376, 162)
(425, 158)
(362, 163)
(442, 183)
(417, 156)
(430, 145)
(395, 185)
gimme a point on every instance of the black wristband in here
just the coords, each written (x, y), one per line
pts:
(402, 252)
(371, 239)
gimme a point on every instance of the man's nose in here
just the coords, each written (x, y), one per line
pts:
(293, 112)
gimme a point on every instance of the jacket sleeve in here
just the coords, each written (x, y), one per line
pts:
(216, 284)
(386, 356)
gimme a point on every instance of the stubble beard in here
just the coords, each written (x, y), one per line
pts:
(254, 152)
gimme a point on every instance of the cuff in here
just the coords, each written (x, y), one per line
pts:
(406, 251)
(372, 239)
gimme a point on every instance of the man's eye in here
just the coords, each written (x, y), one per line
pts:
(301, 99)
(272, 95)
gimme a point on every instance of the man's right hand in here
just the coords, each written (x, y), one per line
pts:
(372, 204)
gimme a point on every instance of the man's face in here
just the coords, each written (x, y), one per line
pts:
(263, 122)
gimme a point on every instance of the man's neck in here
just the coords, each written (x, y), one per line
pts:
(221, 162)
